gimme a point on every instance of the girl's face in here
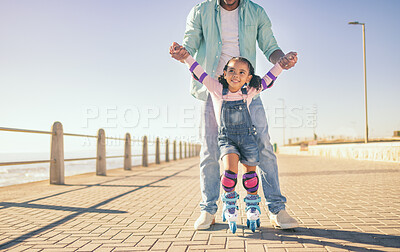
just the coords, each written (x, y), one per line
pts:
(237, 74)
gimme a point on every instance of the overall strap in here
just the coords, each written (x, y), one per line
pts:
(224, 92)
(243, 89)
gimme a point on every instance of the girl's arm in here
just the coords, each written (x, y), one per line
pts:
(180, 53)
(268, 80)
(200, 75)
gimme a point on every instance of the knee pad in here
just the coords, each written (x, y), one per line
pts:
(250, 181)
(229, 180)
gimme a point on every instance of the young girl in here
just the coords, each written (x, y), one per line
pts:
(232, 94)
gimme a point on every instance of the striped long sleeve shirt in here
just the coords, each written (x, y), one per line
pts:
(215, 87)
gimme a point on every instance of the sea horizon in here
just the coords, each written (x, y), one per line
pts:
(20, 174)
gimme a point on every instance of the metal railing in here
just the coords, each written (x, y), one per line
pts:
(57, 159)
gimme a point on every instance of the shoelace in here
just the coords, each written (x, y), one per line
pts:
(231, 195)
(250, 204)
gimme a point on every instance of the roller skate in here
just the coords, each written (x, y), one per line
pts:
(230, 209)
(253, 211)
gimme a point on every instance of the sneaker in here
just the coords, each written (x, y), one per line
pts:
(204, 221)
(283, 220)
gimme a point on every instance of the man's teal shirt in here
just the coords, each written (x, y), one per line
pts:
(204, 24)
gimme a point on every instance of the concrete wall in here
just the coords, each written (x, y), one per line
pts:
(388, 152)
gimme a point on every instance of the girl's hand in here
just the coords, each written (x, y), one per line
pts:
(288, 61)
(178, 52)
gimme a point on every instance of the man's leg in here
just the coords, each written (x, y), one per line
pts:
(269, 168)
(209, 166)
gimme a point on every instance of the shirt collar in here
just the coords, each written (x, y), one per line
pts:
(241, 4)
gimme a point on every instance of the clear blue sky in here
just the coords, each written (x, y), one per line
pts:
(93, 64)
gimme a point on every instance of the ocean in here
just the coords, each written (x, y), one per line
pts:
(19, 174)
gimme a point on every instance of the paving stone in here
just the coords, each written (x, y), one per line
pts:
(342, 205)
(176, 248)
(161, 245)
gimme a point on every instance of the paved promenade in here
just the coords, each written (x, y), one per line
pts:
(341, 205)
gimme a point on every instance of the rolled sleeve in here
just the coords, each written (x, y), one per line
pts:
(265, 37)
(193, 33)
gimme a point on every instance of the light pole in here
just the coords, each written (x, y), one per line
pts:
(365, 80)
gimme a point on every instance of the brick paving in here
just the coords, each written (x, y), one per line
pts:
(341, 205)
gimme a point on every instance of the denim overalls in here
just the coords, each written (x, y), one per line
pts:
(236, 133)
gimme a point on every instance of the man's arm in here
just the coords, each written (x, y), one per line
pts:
(266, 40)
(275, 56)
(268, 44)
(289, 60)
(194, 32)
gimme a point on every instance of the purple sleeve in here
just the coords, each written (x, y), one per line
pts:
(200, 75)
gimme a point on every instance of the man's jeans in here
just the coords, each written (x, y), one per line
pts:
(209, 157)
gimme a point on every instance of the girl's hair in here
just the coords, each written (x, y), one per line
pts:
(255, 81)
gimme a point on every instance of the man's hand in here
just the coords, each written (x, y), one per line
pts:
(288, 61)
(178, 52)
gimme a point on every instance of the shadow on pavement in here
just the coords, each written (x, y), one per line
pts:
(77, 211)
(341, 239)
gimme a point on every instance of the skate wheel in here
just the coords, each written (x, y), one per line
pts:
(248, 223)
(258, 222)
(253, 226)
(232, 226)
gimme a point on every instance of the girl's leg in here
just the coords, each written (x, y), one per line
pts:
(250, 183)
(250, 179)
(229, 178)
(229, 198)
(231, 162)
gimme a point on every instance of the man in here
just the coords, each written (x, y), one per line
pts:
(216, 31)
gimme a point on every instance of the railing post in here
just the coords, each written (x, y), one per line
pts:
(157, 150)
(128, 152)
(145, 162)
(57, 155)
(180, 149)
(101, 169)
(167, 150)
(189, 149)
(174, 150)
(185, 150)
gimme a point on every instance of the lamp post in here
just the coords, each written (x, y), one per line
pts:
(365, 80)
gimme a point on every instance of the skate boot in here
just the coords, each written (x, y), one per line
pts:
(230, 209)
(253, 211)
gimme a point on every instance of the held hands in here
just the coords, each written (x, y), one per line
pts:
(178, 52)
(288, 61)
